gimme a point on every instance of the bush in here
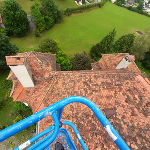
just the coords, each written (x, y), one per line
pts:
(104, 47)
(22, 110)
(37, 33)
(134, 9)
(68, 12)
(38, 17)
(124, 44)
(3, 31)
(51, 13)
(81, 8)
(63, 60)
(81, 62)
(48, 46)
(14, 18)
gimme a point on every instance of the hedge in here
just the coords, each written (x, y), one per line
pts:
(82, 8)
(134, 9)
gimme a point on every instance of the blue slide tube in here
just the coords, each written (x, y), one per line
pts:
(6, 133)
(32, 140)
(76, 133)
(43, 143)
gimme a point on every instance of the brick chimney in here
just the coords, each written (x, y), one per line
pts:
(20, 68)
(125, 62)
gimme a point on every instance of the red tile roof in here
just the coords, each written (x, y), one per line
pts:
(110, 61)
(123, 95)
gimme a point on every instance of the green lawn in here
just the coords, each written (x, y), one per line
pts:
(80, 31)
(26, 4)
(62, 4)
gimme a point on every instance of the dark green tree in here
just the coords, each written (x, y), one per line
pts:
(83, 2)
(81, 62)
(48, 46)
(38, 17)
(141, 4)
(146, 60)
(6, 49)
(14, 18)
(63, 60)
(124, 44)
(105, 46)
(51, 13)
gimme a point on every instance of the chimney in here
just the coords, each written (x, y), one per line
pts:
(20, 68)
(125, 62)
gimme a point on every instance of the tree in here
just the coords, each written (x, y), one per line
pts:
(141, 45)
(124, 44)
(51, 13)
(141, 4)
(48, 46)
(6, 48)
(14, 18)
(63, 60)
(146, 60)
(81, 62)
(105, 46)
(38, 17)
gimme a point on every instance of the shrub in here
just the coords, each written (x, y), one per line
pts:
(38, 17)
(105, 46)
(14, 18)
(48, 46)
(81, 62)
(134, 9)
(37, 33)
(3, 31)
(63, 60)
(22, 110)
(68, 12)
(124, 44)
(81, 8)
(51, 13)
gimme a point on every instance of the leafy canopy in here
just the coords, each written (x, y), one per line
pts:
(81, 62)
(124, 44)
(105, 46)
(14, 18)
(48, 46)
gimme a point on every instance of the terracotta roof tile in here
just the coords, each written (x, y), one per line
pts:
(110, 61)
(125, 91)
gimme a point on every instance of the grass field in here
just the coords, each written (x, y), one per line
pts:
(80, 31)
(62, 4)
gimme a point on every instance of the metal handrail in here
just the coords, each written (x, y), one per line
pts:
(58, 107)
